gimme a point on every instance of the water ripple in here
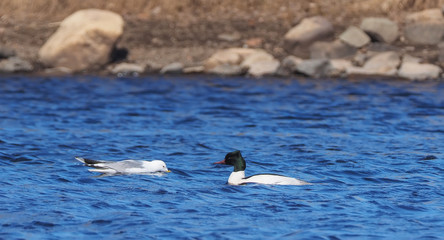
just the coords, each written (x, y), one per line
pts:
(372, 149)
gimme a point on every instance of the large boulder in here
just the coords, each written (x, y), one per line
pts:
(355, 37)
(83, 41)
(419, 71)
(309, 30)
(380, 29)
(424, 33)
(331, 50)
(381, 64)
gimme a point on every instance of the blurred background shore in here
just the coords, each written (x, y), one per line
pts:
(190, 31)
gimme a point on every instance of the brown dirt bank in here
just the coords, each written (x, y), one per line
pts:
(163, 31)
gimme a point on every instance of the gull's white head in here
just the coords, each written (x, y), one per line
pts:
(159, 166)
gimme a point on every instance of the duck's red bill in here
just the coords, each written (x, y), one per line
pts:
(221, 162)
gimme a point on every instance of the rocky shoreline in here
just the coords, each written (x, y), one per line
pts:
(89, 42)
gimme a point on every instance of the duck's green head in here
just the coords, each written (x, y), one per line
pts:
(234, 159)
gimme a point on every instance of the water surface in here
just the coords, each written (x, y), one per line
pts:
(373, 149)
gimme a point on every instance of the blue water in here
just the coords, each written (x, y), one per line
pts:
(372, 149)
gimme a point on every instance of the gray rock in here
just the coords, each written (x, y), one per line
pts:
(419, 71)
(15, 64)
(123, 69)
(313, 67)
(290, 63)
(381, 64)
(172, 68)
(385, 63)
(288, 66)
(227, 69)
(308, 30)
(331, 50)
(424, 33)
(380, 29)
(6, 52)
(355, 37)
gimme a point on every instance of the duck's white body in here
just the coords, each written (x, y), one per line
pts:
(238, 178)
(125, 166)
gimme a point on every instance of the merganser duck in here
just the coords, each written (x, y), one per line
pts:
(237, 177)
(125, 166)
